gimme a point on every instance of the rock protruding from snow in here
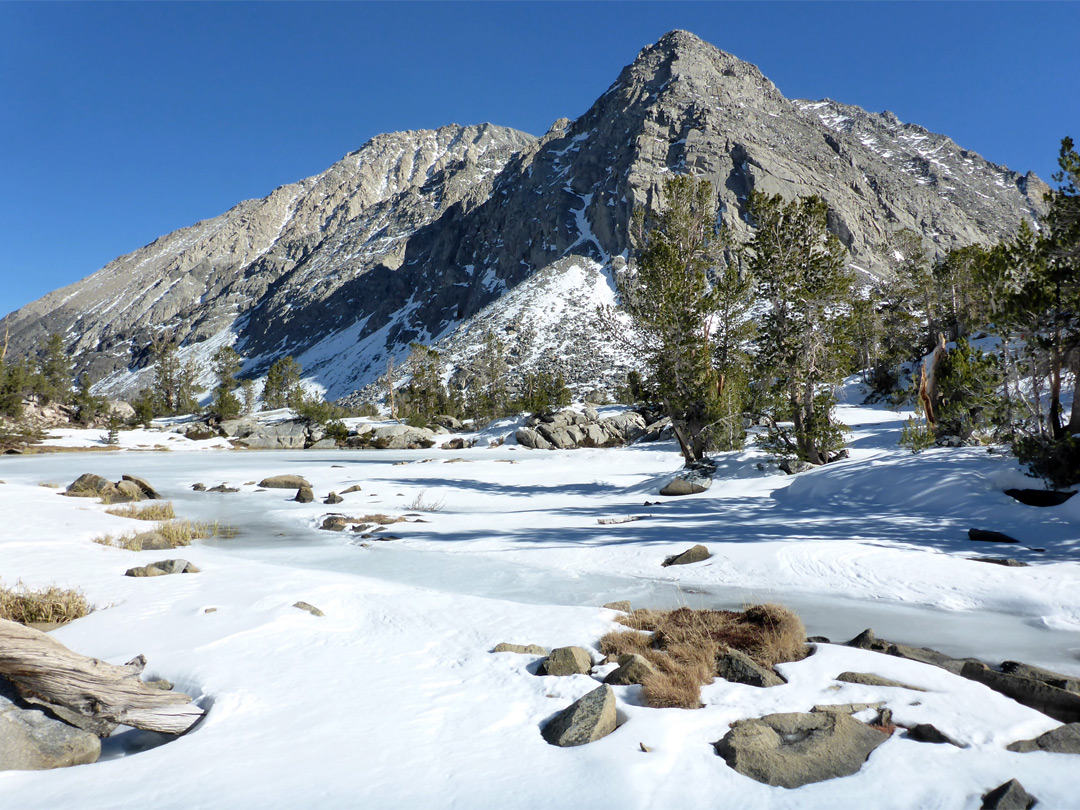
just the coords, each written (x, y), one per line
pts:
(1061, 740)
(162, 568)
(697, 478)
(870, 679)
(584, 721)
(521, 649)
(1061, 704)
(567, 661)
(738, 667)
(32, 741)
(569, 430)
(693, 554)
(633, 668)
(1008, 796)
(794, 749)
(866, 640)
(287, 481)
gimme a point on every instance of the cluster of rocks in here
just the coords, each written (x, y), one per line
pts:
(569, 429)
(128, 488)
(162, 568)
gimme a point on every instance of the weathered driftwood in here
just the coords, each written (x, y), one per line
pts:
(47, 672)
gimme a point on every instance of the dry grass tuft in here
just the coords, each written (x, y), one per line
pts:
(684, 645)
(177, 532)
(154, 510)
(50, 604)
(421, 503)
(49, 484)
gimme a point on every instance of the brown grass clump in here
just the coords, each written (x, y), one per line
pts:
(154, 510)
(50, 604)
(177, 532)
(684, 645)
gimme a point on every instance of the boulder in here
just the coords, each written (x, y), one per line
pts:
(584, 721)
(323, 444)
(928, 733)
(32, 741)
(402, 437)
(697, 478)
(794, 749)
(1009, 796)
(198, 487)
(691, 555)
(1061, 740)
(129, 491)
(284, 482)
(332, 499)
(738, 667)
(794, 466)
(304, 495)
(633, 668)
(869, 679)
(1061, 704)
(1069, 683)
(161, 568)
(866, 640)
(448, 422)
(151, 541)
(1039, 497)
(148, 491)
(567, 661)
(628, 426)
(522, 649)
(986, 536)
(120, 409)
(224, 488)
(88, 485)
(287, 435)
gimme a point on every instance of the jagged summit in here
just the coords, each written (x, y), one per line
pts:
(451, 233)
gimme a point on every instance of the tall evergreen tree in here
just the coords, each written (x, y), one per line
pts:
(282, 388)
(800, 271)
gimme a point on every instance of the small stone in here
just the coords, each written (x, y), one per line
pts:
(583, 721)
(199, 487)
(567, 661)
(304, 495)
(928, 733)
(644, 748)
(522, 649)
(1009, 796)
(353, 488)
(691, 555)
(869, 679)
(314, 611)
(333, 498)
(151, 541)
(210, 610)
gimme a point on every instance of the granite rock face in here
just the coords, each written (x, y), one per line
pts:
(462, 231)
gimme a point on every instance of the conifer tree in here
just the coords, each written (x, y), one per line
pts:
(800, 271)
(226, 365)
(282, 388)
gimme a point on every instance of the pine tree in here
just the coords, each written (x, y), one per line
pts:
(226, 364)
(672, 298)
(800, 271)
(282, 388)
(55, 370)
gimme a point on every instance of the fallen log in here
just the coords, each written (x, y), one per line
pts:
(47, 672)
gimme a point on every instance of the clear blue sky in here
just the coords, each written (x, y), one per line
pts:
(120, 122)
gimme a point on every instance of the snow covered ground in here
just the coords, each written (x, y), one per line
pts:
(393, 698)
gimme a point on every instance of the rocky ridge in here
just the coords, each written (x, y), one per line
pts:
(451, 233)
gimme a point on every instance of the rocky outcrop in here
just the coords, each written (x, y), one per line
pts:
(1061, 704)
(128, 488)
(583, 721)
(570, 429)
(795, 749)
(1061, 740)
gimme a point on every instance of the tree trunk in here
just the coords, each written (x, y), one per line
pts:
(45, 671)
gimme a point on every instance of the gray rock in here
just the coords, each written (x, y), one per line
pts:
(198, 487)
(738, 667)
(32, 741)
(848, 708)
(289, 435)
(333, 498)
(323, 444)
(866, 640)
(985, 536)
(1069, 683)
(353, 488)
(402, 437)
(221, 488)
(691, 555)
(869, 679)
(685, 485)
(794, 466)
(314, 611)
(633, 668)
(1061, 740)
(284, 482)
(928, 733)
(522, 649)
(161, 568)
(567, 661)
(1060, 704)
(584, 721)
(151, 541)
(148, 491)
(88, 485)
(794, 749)
(1009, 796)
(304, 495)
